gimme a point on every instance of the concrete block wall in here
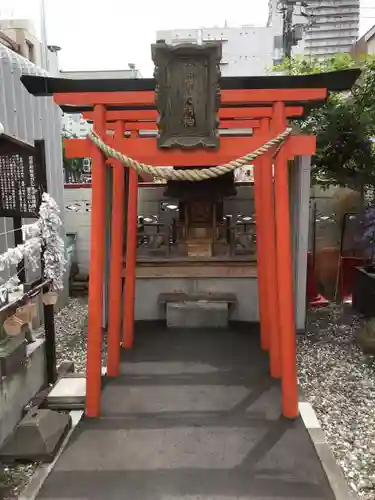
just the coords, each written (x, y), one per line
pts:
(148, 290)
(77, 219)
(77, 209)
(331, 204)
(16, 390)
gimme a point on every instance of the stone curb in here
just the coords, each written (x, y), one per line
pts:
(333, 471)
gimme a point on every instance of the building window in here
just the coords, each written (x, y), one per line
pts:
(30, 51)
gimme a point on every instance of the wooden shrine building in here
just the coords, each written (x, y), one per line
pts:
(190, 119)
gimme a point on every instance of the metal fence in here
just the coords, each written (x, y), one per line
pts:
(28, 118)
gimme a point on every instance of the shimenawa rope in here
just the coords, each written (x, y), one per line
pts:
(197, 174)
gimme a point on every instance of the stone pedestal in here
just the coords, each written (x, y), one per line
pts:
(199, 314)
(37, 437)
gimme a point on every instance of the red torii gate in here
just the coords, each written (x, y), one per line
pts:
(273, 226)
(262, 103)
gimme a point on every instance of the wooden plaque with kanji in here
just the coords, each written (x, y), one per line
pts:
(187, 94)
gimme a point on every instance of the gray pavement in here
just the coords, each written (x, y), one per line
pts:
(194, 416)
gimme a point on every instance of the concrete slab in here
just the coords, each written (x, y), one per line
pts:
(181, 398)
(199, 314)
(69, 392)
(166, 368)
(268, 405)
(215, 435)
(155, 449)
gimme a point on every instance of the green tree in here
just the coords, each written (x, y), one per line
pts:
(344, 126)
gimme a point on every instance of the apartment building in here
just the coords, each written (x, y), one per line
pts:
(330, 26)
(247, 50)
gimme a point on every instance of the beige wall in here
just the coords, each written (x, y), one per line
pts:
(78, 213)
(77, 203)
(22, 33)
(365, 45)
(371, 46)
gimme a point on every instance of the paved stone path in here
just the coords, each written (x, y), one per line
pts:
(194, 416)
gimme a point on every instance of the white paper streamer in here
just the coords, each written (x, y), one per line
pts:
(54, 248)
(41, 235)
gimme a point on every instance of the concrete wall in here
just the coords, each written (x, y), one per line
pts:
(247, 50)
(77, 219)
(331, 205)
(148, 290)
(22, 33)
(17, 390)
(28, 118)
(246, 288)
(77, 208)
(300, 215)
(371, 46)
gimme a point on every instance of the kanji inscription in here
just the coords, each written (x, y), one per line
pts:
(187, 94)
(22, 180)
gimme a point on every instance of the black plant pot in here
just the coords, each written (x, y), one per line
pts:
(363, 299)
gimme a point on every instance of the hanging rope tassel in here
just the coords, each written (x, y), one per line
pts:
(198, 174)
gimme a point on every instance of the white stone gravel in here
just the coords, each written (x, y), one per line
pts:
(339, 382)
(71, 333)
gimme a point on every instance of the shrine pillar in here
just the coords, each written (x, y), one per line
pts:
(285, 281)
(131, 261)
(270, 261)
(300, 182)
(260, 220)
(116, 260)
(97, 266)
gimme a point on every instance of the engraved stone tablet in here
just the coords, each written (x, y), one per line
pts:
(187, 94)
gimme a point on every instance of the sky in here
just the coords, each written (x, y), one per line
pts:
(110, 34)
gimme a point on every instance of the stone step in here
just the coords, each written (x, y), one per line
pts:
(81, 277)
(198, 310)
(199, 247)
(200, 314)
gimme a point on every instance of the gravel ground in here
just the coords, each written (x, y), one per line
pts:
(339, 382)
(336, 378)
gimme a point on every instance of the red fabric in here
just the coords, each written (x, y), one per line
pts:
(311, 282)
(315, 299)
(347, 274)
